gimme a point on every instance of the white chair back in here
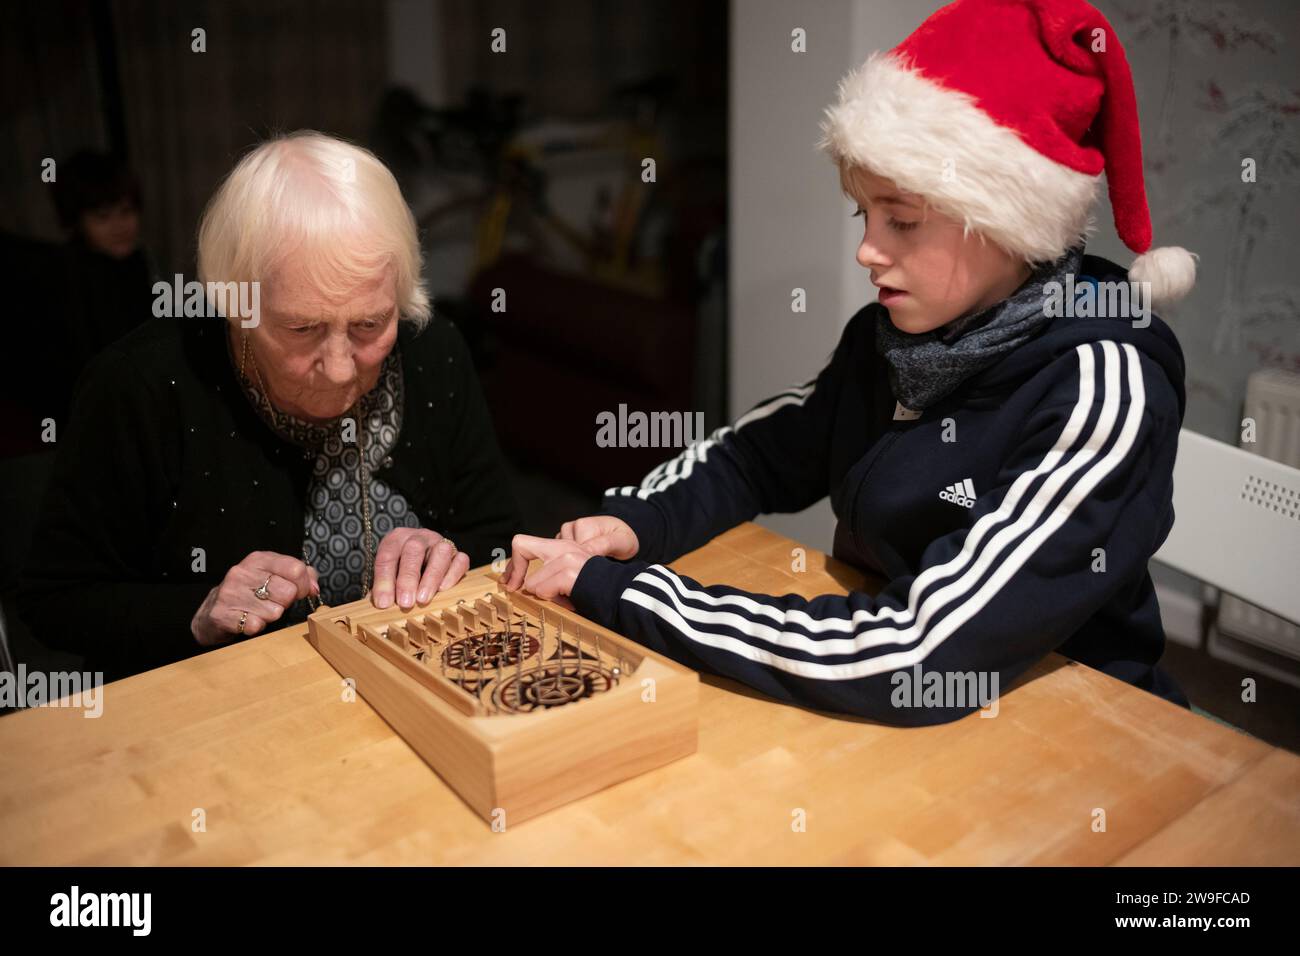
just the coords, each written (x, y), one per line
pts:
(1236, 523)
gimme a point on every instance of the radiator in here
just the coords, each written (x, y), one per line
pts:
(1273, 401)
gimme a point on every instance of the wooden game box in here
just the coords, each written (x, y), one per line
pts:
(518, 704)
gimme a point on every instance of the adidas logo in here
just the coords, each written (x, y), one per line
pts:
(962, 493)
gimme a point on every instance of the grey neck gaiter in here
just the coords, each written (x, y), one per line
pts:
(925, 368)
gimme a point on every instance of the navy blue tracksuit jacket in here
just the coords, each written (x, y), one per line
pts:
(1027, 531)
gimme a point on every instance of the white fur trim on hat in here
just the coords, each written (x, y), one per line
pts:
(1171, 270)
(939, 144)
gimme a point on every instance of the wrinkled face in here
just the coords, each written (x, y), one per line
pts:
(318, 354)
(927, 271)
(113, 230)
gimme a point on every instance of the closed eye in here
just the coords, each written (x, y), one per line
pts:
(898, 225)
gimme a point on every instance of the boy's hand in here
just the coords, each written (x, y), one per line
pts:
(602, 535)
(554, 580)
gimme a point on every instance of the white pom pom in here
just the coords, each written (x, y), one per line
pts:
(1171, 271)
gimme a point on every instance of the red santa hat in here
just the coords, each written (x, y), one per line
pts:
(1003, 114)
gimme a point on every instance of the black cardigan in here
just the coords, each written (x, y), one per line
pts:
(163, 455)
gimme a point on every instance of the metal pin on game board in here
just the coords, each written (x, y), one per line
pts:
(577, 637)
(558, 628)
(563, 686)
(503, 656)
(510, 630)
(482, 659)
(519, 664)
(483, 663)
(460, 630)
(541, 650)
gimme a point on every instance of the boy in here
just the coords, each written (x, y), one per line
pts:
(998, 451)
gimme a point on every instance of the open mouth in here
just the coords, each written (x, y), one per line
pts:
(888, 294)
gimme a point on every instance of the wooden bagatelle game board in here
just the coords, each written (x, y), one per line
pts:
(520, 705)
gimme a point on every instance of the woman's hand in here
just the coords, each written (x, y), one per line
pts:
(418, 563)
(553, 581)
(603, 535)
(233, 601)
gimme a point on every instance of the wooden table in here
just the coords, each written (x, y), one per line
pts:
(258, 737)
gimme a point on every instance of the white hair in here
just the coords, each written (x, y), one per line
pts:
(312, 195)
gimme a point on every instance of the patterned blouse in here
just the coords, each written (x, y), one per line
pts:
(333, 536)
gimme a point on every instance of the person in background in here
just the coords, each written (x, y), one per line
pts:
(108, 275)
(70, 299)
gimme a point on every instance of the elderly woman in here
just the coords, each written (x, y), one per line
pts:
(222, 476)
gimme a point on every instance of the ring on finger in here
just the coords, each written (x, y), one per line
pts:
(261, 593)
(243, 619)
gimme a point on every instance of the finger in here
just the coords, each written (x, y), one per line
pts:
(557, 576)
(286, 566)
(541, 574)
(545, 548)
(255, 624)
(293, 570)
(585, 528)
(459, 565)
(387, 557)
(228, 619)
(518, 565)
(610, 535)
(409, 566)
(281, 590)
(550, 582)
(525, 548)
(601, 544)
(238, 594)
(435, 569)
(566, 531)
(512, 579)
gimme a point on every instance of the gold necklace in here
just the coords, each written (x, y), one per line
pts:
(363, 475)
